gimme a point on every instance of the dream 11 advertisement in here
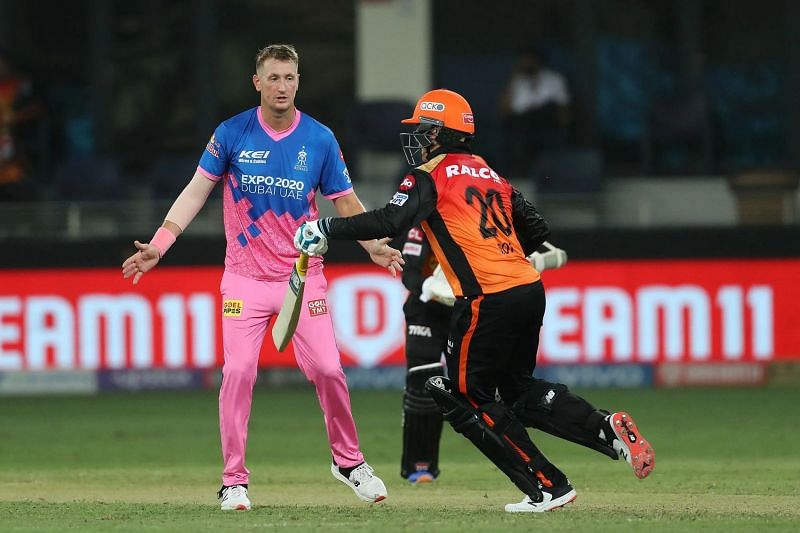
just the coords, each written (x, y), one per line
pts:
(608, 312)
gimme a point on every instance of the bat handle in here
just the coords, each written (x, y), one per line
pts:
(302, 264)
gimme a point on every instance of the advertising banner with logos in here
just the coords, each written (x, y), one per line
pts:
(598, 313)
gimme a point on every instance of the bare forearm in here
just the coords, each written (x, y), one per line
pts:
(188, 204)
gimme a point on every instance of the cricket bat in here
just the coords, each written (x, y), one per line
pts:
(289, 314)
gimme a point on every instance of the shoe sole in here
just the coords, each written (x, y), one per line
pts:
(340, 477)
(551, 506)
(640, 454)
(240, 507)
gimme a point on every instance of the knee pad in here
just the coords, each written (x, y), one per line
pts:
(537, 401)
(468, 421)
(552, 408)
(416, 399)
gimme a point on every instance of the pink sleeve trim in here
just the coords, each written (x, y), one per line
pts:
(338, 194)
(208, 174)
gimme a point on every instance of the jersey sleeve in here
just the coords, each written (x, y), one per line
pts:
(413, 202)
(216, 157)
(416, 253)
(530, 226)
(335, 178)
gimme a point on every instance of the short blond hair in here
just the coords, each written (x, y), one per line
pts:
(280, 52)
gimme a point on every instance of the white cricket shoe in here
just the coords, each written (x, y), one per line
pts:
(552, 498)
(363, 481)
(234, 498)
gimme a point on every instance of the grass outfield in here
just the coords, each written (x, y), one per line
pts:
(727, 460)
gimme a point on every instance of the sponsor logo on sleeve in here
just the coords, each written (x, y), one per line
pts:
(399, 199)
(412, 248)
(232, 307)
(317, 307)
(213, 147)
(415, 234)
(407, 183)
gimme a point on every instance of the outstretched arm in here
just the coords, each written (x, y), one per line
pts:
(409, 205)
(381, 253)
(180, 215)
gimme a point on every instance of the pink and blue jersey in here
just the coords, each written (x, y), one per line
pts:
(271, 179)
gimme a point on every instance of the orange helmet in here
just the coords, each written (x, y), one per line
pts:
(442, 107)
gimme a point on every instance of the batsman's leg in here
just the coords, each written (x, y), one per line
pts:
(318, 358)
(504, 441)
(553, 408)
(490, 334)
(243, 328)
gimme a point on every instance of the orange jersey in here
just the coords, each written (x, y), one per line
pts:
(479, 227)
(471, 230)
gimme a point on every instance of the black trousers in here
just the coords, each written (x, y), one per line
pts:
(427, 339)
(493, 343)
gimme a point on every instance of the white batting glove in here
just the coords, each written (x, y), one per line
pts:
(552, 258)
(310, 240)
(437, 288)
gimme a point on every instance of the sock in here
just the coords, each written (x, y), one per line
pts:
(346, 471)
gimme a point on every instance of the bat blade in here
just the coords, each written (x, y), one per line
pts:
(289, 314)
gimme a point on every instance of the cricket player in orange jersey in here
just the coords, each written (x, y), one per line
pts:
(481, 229)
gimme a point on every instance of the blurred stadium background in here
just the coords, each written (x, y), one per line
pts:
(674, 191)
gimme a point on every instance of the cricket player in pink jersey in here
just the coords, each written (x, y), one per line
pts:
(272, 159)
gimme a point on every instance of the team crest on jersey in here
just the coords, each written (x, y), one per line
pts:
(302, 160)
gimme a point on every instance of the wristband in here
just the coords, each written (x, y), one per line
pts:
(162, 240)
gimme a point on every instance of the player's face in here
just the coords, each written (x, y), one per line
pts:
(432, 134)
(277, 82)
